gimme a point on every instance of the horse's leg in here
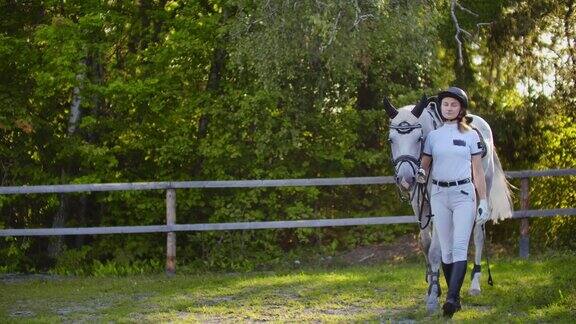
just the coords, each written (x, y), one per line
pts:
(435, 254)
(431, 249)
(424, 241)
(479, 242)
(434, 257)
(476, 274)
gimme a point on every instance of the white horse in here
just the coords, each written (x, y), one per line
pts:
(409, 127)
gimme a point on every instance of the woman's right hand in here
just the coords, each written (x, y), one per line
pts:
(421, 176)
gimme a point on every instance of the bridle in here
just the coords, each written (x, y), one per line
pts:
(404, 128)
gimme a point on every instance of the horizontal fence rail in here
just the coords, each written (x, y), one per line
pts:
(197, 185)
(46, 189)
(213, 226)
(171, 227)
(379, 220)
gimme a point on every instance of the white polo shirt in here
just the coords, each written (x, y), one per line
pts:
(451, 152)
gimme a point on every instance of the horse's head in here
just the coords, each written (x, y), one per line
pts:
(406, 139)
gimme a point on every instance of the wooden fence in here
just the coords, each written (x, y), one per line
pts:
(171, 227)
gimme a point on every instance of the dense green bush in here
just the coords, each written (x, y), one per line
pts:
(239, 89)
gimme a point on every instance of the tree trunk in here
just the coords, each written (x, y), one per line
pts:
(568, 32)
(213, 86)
(56, 243)
(96, 75)
(79, 239)
(141, 37)
(368, 130)
(217, 67)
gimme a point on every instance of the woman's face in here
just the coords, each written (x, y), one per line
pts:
(450, 108)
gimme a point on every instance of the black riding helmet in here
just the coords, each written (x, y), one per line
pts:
(456, 93)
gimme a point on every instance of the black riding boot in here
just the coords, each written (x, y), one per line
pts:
(452, 304)
(447, 270)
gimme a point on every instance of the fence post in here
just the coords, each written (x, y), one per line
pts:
(170, 236)
(524, 225)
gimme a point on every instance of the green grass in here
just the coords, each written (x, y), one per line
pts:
(538, 290)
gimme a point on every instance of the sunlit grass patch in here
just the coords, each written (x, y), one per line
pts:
(537, 290)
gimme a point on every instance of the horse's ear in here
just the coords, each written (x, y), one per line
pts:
(390, 109)
(419, 108)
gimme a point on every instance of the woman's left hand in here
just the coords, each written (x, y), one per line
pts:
(483, 213)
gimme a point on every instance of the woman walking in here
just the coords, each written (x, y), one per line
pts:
(454, 152)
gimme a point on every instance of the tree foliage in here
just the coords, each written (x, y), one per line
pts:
(243, 89)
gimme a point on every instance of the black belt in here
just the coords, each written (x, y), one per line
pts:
(450, 183)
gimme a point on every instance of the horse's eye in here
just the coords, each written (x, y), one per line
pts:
(390, 140)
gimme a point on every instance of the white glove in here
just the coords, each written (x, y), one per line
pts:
(421, 176)
(483, 213)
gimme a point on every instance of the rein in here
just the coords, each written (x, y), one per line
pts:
(423, 194)
(414, 163)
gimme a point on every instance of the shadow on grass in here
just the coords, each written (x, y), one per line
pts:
(525, 291)
(358, 293)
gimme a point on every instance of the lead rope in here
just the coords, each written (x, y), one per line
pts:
(423, 192)
(490, 281)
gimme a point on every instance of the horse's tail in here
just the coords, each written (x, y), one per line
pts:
(500, 195)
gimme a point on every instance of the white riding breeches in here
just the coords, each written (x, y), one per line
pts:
(454, 210)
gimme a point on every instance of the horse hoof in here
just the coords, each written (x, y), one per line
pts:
(474, 292)
(432, 306)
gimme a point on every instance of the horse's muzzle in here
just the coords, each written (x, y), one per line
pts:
(405, 184)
